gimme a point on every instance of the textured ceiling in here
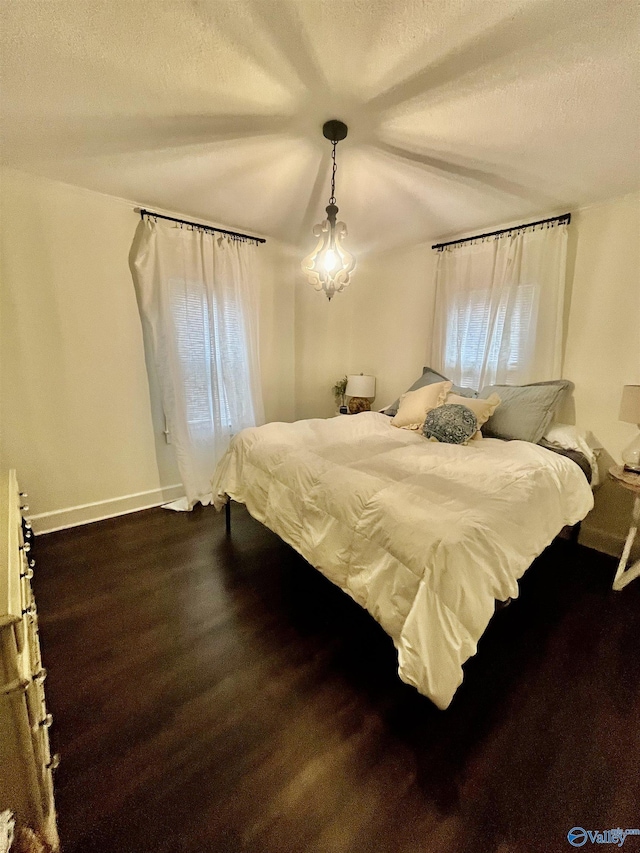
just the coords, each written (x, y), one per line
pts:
(462, 114)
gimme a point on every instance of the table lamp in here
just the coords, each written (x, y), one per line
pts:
(361, 389)
(630, 412)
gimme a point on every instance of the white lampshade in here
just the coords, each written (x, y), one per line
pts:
(630, 405)
(360, 385)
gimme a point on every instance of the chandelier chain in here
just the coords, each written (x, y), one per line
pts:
(332, 200)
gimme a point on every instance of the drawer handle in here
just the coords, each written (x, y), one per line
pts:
(25, 507)
(32, 563)
(26, 547)
(30, 610)
(55, 762)
(24, 495)
(28, 533)
(47, 722)
(39, 677)
(28, 575)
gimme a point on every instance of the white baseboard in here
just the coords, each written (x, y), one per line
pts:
(73, 516)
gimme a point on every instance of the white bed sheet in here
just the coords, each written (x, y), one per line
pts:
(425, 536)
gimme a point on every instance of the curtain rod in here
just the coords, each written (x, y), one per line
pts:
(565, 219)
(235, 234)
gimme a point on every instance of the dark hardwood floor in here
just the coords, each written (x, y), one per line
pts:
(218, 694)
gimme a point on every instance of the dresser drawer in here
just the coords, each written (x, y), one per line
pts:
(27, 643)
(27, 601)
(28, 631)
(27, 640)
(26, 574)
(40, 721)
(24, 749)
(36, 705)
(33, 642)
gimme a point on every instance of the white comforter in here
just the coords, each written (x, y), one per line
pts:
(425, 536)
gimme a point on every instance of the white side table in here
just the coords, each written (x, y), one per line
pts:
(630, 481)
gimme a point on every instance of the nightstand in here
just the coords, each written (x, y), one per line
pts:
(630, 481)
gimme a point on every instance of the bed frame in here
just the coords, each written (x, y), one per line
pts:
(570, 533)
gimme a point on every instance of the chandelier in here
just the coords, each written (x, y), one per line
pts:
(329, 266)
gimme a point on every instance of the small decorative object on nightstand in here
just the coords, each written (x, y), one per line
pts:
(630, 412)
(339, 392)
(630, 481)
(361, 389)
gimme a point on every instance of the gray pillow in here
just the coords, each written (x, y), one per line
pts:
(451, 423)
(429, 376)
(525, 411)
(463, 392)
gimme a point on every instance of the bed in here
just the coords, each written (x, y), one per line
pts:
(425, 536)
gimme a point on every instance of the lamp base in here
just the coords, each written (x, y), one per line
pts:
(359, 404)
(631, 456)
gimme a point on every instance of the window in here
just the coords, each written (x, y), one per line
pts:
(499, 308)
(211, 353)
(475, 335)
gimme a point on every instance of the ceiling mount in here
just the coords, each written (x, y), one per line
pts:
(334, 130)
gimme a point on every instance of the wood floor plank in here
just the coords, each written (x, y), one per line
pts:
(217, 694)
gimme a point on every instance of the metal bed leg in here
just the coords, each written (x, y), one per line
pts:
(227, 516)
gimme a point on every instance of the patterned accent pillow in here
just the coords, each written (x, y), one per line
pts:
(450, 424)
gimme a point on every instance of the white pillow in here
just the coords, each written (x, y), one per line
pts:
(414, 405)
(569, 437)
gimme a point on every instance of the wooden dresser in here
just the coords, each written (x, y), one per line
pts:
(26, 763)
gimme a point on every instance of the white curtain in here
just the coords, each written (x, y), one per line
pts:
(197, 293)
(499, 308)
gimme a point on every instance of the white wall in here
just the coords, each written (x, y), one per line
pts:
(77, 419)
(379, 325)
(603, 345)
(277, 332)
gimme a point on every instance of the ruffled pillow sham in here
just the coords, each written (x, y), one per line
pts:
(414, 405)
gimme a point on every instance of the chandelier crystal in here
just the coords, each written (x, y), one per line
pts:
(330, 265)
